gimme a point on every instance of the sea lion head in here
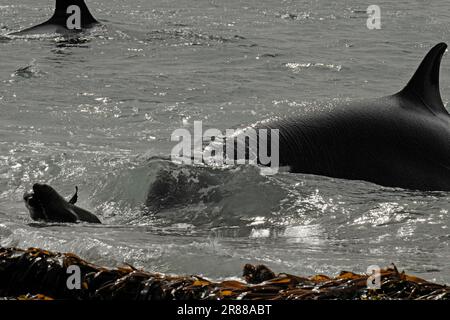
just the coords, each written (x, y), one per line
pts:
(37, 200)
(34, 206)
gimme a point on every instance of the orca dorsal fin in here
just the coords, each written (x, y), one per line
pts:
(424, 84)
(60, 15)
(74, 199)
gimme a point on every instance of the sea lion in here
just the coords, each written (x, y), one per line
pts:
(45, 204)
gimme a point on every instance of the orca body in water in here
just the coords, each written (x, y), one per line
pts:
(70, 16)
(401, 140)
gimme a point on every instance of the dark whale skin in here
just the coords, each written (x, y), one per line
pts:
(402, 140)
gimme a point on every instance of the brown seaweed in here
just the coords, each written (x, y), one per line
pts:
(36, 274)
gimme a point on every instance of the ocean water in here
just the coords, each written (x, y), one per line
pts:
(97, 112)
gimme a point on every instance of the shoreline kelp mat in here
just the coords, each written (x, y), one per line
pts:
(39, 274)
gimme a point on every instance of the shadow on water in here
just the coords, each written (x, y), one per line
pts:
(39, 225)
(4, 39)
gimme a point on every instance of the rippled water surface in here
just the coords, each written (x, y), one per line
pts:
(98, 113)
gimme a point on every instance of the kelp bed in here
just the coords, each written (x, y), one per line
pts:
(39, 274)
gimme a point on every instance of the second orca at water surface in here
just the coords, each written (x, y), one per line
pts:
(58, 23)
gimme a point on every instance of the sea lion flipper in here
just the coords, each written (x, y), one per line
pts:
(74, 199)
